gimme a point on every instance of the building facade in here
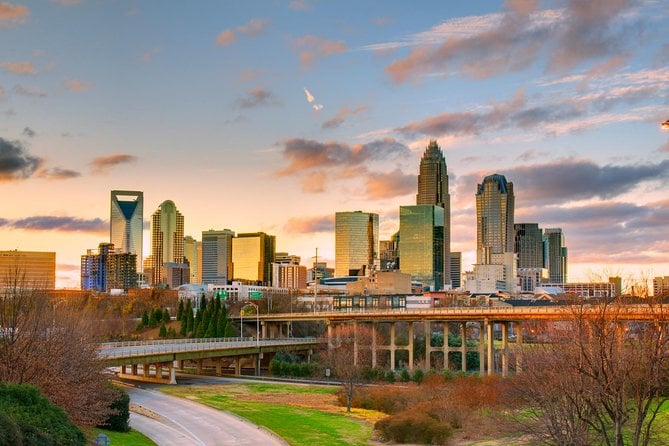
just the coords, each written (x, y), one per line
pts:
(661, 286)
(356, 243)
(456, 269)
(28, 269)
(252, 258)
(433, 190)
(529, 245)
(108, 268)
(126, 222)
(167, 241)
(556, 251)
(193, 254)
(217, 256)
(289, 275)
(421, 244)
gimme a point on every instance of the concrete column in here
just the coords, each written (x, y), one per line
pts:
(179, 364)
(519, 346)
(463, 345)
(219, 366)
(133, 369)
(159, 371)
(330, 346)
(199, 366)
(145, 369)
(411, 345)
(392, 346)
(482, 329)
(490, 341)
(173, 375)
(355, 343)
(309, 353)
(445, 347)
(256, 360)
(238, 366)
(428, 344)
(373, 344)
(263, 329)
(505, 352)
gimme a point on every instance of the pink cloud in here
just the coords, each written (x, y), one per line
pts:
(226, 38)
(313, 48)
(12, 14)
(25, 67)
(76, 85)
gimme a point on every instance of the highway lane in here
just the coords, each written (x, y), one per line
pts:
(169, 420)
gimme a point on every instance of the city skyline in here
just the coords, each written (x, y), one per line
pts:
(273, 118)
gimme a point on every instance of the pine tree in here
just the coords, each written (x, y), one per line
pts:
(153, 322)
(221, 323)
(163, 330)
(190, 326)
(180, 310)
(158, 314)
(145, 319)
(166, 315)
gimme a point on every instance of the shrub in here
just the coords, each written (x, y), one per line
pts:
(389, 376)
(119, 420)
(163, 330)
(10, 433)
(405, 376)
(414, 427)
(418, 376)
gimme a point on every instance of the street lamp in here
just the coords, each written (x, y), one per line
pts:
(241, 323)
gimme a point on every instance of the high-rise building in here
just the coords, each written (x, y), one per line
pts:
(167, 240)
(289, 275)
(356, 243)
(126, 222)
(661, 286)
(28, 269)
(456, 269)
(495, 268)
(529, 245)
(556, 260)
(422, 244)
(107, 268)
(252, 258)
(433, 190)
(286, 259)
(217, 256)
(192, 253)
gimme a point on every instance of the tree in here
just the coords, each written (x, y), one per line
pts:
(180, 310)
(162, 333)
(350, 354)
(119, 421)
(145, 319)
(166, 315)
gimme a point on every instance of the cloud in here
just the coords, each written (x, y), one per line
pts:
(226, 38)
(341, 116)
(258, 97)
(389, 185)
(483, 46)
(664, 147)
(25, 67)
(317, 107)
(64, 224)
(313, 48)
(147, 56)
(58, 173)
(570, 179)
(310, 225)
(30, 133)
(299, 5)
(77, 85)
(11, 15)
(15, 162)
(253, 27)
(28, 91)
(103, 164)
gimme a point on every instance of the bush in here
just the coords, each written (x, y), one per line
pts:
(162, 333)
(405, 376)
(390, 376)
(410, 427)
(10, 433)
(119, 420)
(418, 376)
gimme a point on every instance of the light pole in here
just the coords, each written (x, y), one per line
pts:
(241, 323)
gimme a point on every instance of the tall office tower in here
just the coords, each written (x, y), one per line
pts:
(126, 222)
(422, 244)
(433, 189)
(356, 243)
(556, 255)
(252, 257)
(286, 259)
(28, 269)
(529, 245)
(167, 240)
(107, 268)
(456, 269)
(661, 286)
(217, 257)
(192, 250)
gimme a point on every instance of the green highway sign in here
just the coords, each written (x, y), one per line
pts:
(255, 294)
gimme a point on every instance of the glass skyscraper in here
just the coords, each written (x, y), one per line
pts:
(494, 219)
(356, 243)
(421, 244)
(217, 256)
(252, 258)
(433, 190)
(167, 240)
(556, 255)
(126, 222)
(529, 245)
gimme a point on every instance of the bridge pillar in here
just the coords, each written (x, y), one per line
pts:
(445, 347)
(482, 329)
(238, 366)
(263, 329)
(428, 344)
(159, 371)
(145, 369)
(463, 345)
(219, 366)
(173, 375)
(330, 346)
(519, 346)
(392, 346)
(133, 369)
(123, 369)
(373, 344)
(199, 366)
(355, 343)
(490, 342)
(505, 352)
(411, 345)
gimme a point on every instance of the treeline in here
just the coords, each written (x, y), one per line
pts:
(210, 321)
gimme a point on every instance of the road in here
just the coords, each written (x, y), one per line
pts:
(169, 420)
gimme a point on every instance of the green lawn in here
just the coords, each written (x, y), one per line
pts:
(132, 438)
(296, 425)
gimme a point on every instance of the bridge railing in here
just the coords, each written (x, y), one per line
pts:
(172, 341)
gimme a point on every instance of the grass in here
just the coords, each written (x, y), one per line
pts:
(300, 414)
(132, 438)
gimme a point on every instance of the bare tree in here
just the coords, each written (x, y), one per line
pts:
(351, 352)
(48, 344)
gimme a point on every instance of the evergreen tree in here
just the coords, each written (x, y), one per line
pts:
(211, 329)
(190, 326)
(166, 315)
(180, 310)
(203, 302)
(163, 330)
(158, 314)
(145, 319)
(221, 323)
(153, 322)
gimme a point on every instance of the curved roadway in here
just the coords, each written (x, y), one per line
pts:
(169, 420)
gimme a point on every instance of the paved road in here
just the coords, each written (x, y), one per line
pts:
(176, 421)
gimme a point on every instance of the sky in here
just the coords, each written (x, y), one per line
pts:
(273, 115)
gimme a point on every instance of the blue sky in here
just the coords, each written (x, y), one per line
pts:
(208, 104)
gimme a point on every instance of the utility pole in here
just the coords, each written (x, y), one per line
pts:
(315, 279)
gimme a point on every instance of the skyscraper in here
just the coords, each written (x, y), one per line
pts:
(217, 256)
(529, 245)
(252, 257)
(421, 244)
(29, 269)
(433, 190)
(108, 268)
(192, 253)
(556, 251)
(167, 240)
(126, 222)
(356, 243)
(456, 269)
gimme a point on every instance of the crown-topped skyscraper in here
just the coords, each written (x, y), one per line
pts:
(433, 189)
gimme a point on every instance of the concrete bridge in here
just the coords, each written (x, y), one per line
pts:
(156, 361)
